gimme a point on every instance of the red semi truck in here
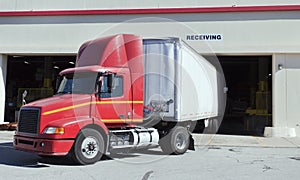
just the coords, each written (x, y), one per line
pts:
(125, 92)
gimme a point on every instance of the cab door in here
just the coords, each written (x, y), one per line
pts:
(114, 105)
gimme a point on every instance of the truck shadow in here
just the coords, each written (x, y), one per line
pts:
(11, 157)
(135, 152)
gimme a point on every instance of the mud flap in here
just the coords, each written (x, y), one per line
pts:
(192, 144)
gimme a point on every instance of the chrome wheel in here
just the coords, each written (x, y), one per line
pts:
(176, 141)
(89, 147)
(180, 141)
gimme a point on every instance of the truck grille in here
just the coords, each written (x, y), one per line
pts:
(29, 120)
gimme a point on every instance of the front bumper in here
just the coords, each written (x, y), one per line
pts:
(45, 147)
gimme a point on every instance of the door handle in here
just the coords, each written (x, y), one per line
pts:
(122, 116)
(128, 115)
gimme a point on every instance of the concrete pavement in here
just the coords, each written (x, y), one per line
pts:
(216, 157)
(221, 140)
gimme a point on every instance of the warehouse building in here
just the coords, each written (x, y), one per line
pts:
(257, 44)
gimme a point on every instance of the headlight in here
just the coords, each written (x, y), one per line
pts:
(54, 130)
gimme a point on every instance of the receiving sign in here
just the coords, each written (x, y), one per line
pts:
(204, 37)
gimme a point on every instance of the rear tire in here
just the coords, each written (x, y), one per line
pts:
(89, 147)
(176, 141)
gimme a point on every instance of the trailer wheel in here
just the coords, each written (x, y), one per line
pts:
(176, 141)
(89, 147)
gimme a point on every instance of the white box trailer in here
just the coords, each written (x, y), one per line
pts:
(187, 85)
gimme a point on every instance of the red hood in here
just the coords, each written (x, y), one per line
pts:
(67, 106)
(60, 101)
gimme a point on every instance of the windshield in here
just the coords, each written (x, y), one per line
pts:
(78, 83)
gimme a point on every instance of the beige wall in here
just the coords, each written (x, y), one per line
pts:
(54, 35)
(263, 33)
(286, 95)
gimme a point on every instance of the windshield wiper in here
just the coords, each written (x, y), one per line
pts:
(63, 92)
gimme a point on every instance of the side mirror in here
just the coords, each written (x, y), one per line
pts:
(23, 97)
(110, 80)
(99, 85)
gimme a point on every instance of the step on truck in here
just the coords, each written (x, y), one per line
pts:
(124, 92)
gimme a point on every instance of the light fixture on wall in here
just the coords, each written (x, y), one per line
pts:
(280, 66)
(26, 62)
(71, 62)
(18, 56)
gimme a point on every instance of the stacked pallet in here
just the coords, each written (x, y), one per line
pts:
(9, 126)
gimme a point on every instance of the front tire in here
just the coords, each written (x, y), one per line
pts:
(89, 147)
(176, 141)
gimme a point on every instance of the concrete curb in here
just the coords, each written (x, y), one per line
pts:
(7, 135)
(245, 141)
